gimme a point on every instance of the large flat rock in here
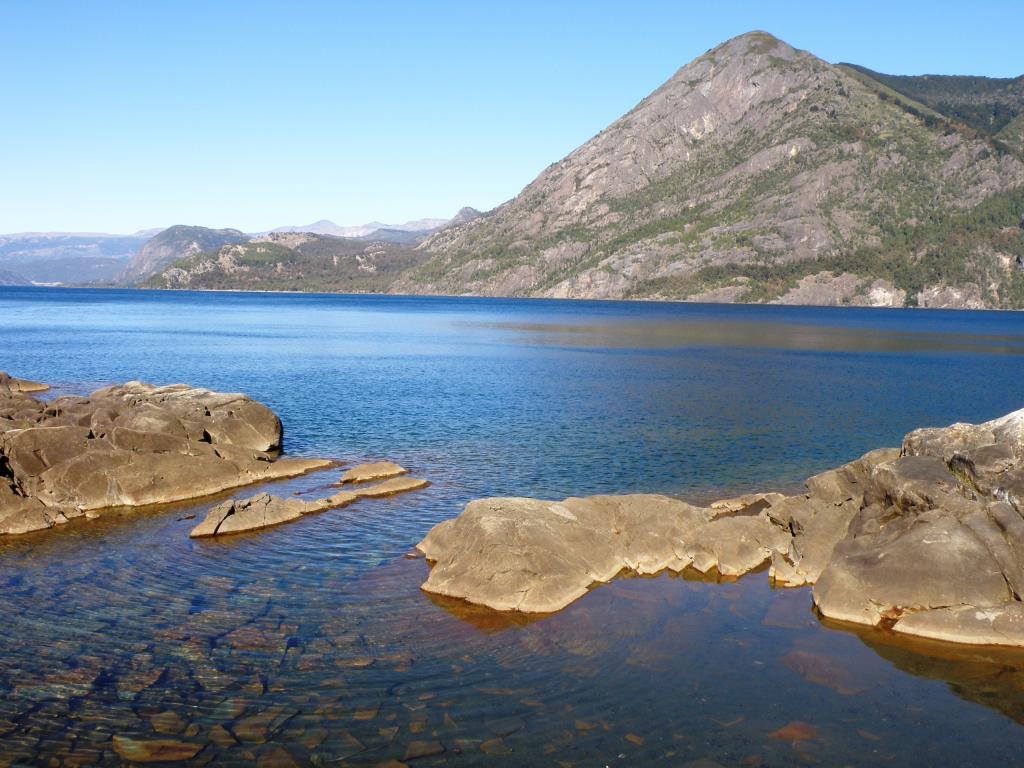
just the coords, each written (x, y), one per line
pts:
(378, 470)
(130, 445)
(538, 556)
(263, 511)
(926, 539)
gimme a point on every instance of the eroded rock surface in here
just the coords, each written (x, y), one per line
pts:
(127, 446)
(264, 510)
(378, 470)
(936, 548)
(539, 556)
(927, 539)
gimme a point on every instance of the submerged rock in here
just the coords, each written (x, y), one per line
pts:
(391, 487)
(263, 511)
(154, 750)
(128, 446)
(927, 539)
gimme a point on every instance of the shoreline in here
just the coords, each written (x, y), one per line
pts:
(484, 297)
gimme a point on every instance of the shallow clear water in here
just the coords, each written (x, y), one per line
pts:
(313, 638)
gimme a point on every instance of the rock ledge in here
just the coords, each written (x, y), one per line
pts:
(925, 540)
(130, 445)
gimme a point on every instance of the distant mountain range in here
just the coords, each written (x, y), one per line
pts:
(293, 261)
(61, 258)
(325, 227)
(756, 173)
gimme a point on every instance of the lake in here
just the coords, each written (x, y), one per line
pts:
(311, 643)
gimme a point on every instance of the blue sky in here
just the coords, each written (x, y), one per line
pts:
(123, 116)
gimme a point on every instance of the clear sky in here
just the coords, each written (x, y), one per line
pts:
(122, 116)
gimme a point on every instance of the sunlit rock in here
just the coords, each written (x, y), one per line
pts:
(380, 470)
(539, 556)
(263, 511)
(392, 487)
(128, 446)
(925, 540)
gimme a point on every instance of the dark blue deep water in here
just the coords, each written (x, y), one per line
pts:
(311, 642)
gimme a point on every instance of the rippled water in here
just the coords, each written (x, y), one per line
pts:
(312, 643)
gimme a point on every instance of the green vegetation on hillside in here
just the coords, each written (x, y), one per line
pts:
(311, 263)
(986, 104)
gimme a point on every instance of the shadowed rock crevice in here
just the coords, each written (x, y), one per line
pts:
(926, 540)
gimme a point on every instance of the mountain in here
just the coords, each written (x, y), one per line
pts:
(67, 257)
(12, 278)
(293, 261)
(986, 104)
(397, 236)
(464, 215)
(174, 243)
(325, 227)
(759, 172)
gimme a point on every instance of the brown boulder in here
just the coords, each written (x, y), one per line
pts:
(926, 540)
(14, 384)
(538, 556)
(128, 446)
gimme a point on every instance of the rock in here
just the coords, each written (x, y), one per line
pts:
(795, 731)
(831, 671)
(128, 446)
(263, 511)
(538, 556)
(418, 749)
(926, 540)
(391, 487)
(277, 757)
(259, 727)
(154, 750)
(21, 385)
(937, 547)
(1001, 625)
(221, 736)
(380, 470)
(168, 722)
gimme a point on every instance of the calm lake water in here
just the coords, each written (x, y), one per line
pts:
(311, 643)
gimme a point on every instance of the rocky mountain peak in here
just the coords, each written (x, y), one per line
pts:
(752, 158)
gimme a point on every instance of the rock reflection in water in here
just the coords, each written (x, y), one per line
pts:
(990, 676)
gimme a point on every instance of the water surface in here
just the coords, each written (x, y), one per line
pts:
(312, 643)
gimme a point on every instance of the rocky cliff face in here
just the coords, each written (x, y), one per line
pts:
(175, 243)
(755, 169)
